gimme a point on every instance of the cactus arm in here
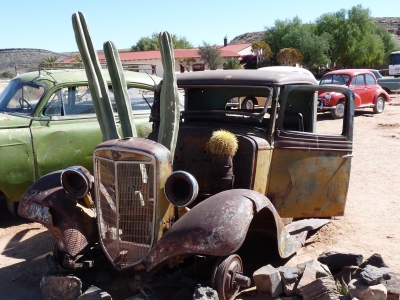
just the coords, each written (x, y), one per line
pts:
(121, 95)
(169, 104)
(98, 86)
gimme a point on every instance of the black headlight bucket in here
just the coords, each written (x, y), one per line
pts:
(181, 188)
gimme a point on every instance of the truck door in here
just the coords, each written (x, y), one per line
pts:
(310, 168)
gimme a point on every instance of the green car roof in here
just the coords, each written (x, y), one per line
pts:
(51, 78)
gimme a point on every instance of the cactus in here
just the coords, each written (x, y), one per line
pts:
(120, 91)
(223, 142)
(169, 104)
(98, 86)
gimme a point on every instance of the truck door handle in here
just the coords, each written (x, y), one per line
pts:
(347, 156)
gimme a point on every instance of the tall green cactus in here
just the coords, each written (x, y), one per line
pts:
(120, 90)
(169, 104)
(97, 84)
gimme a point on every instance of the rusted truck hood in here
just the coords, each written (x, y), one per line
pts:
(11, 121)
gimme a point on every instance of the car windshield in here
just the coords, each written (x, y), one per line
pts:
(227, 104)
(20, 97)
(339, 79)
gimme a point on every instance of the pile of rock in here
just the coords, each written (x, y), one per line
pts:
(333, 275)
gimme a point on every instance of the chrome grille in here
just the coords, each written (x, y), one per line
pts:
(125, 205)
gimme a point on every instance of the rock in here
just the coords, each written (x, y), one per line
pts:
(371, 275)
(204, 293)
(94, 293)
(314, 270)
(360, 290)
(60, 287)
(52, 265)
(323, 288)
(301, 267)
(393, 285)
(268, 279)
(393, 297)
(375, 260)
(337, 259)
(289, 280)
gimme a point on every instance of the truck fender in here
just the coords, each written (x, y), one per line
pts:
(218, 226)
(72, 224)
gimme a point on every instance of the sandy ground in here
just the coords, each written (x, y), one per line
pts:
(371, 223)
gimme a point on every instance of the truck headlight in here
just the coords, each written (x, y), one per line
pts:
(328, 96)
(181, 188)
(76, 181)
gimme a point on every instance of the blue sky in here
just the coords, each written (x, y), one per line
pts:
(47, 24)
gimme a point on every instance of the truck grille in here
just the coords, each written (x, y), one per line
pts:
(125, 206)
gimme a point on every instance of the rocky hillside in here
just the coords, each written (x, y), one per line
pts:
(24, 59)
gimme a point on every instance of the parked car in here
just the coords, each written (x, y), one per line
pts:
(48, 122)
(389, 84)
(153, 208)
(251, 102)
(368, 93)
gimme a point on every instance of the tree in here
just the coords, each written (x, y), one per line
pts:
(211, 55)
(249, 61)
(295, 34)
(151, 43)
(50, 60)
(262, 51)
(233, 63)
(289, 56)
(355, 40)
(187, 62)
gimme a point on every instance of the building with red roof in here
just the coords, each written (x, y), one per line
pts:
(151, 60)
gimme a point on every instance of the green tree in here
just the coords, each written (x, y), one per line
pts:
(211, 55)
(51, 59)
(294, 34)
(355, 40)
(233, 63)
(151, 43)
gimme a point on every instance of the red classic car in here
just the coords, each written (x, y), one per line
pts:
(362, 82)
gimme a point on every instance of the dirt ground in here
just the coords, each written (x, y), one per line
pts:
(371, 223)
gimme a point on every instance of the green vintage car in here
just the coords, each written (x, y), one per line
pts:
(48, 122)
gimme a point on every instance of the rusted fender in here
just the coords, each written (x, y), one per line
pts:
(68, 219)
(218, 226)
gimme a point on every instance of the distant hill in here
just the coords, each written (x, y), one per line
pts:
(20, 57)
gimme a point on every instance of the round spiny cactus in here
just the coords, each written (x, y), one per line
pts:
(223, 142)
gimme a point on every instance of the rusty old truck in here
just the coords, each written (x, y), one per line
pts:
(148, 209)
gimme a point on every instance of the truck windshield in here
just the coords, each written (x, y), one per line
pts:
(20, 97)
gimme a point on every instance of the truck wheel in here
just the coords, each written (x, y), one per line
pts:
(379, 106)
(248, 103)
(228, 277)
(338, 111)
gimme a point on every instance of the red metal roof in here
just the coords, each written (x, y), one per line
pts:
(155, 54)
(227, 51)
(236, 47)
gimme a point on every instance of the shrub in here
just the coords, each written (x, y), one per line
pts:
(8, 74)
